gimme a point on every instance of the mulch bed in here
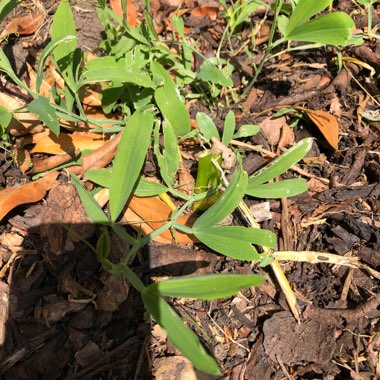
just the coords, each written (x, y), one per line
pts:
(63, 317)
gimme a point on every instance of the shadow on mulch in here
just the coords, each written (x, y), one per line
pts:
(65, 317)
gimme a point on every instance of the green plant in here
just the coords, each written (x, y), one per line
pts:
(136, 84)
(295, 23)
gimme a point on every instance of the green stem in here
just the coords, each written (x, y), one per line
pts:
(278, 6)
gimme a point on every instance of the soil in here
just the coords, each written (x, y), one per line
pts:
(63, 317)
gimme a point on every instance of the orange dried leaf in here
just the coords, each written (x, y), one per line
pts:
(43, 164)
(45, 89)
(68, 143)
(201, 12)
(31, 192)
(327, 124)
(24, 25)
(154, 213)
(131, 10)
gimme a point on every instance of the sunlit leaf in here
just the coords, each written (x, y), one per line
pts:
(179, 334)
(206, 126)
(169, 102)
(229, 128)
(282, 189)
(41, 107)
(235, 241)
(226, 203)
(206, 287)
(129, 159)
(281, 164)
(208, 72)
(330, 29)
(246, 130)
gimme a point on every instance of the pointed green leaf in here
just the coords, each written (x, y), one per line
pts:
(92, 208)
(208, 72)
(108, 69)
(283, 189)
(330, 29)
(206, 126)
(64, 25)
(235, 241)
(226, 203)
(206, 287)
(282, 163)
(169, 102)
(168, 160)
(179, 334)
(41, 107)
(6, 7)
(5, 119)
(246, 130)
(303, 11)
(129, 159)
(229, 128)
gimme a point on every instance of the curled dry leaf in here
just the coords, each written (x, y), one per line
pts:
(272, 128)
(201, 12)
(68, 143)
(153, 213)
(23, 25)
(31, 192)
(43, 164)
(327, 124)
(185, 180)
(90, 95)
(45, 89)
(131, 10)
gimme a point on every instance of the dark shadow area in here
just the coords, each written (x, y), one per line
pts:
(63, 316)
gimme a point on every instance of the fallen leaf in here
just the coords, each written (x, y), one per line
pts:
(287, 138)
(45, 89)
(131, 11)
(201, 12)
(43, 164)
(68, 143)
(23, 25)
(102, 156)
(90, 95)
(335, 107)
(29, 193)
(185, 180)
(154, 213)
(272, 128)
(326, 123)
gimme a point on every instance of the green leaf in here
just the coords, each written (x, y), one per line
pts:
(5, 119)
(282, 24)
(229, 128)
(179, 334)
(245, 11)
(129, 159)
(144, 187)
(147, 188)
(45, 53)
(303, 11)
(169, 102)
(6, 7)
(64, 25)
(246, 130)
(101, 177)
(103, 246)
(330, 29)
(92, 208)
(168, 160)
(108, 69)
(226, 203)
(208, 72)
(206, 287)
(41, 107)
(282, 189)
(206, 126)
(281, 164)
(236, 241)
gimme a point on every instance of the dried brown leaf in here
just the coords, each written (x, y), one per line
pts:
(31, 192)
(23, 25)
